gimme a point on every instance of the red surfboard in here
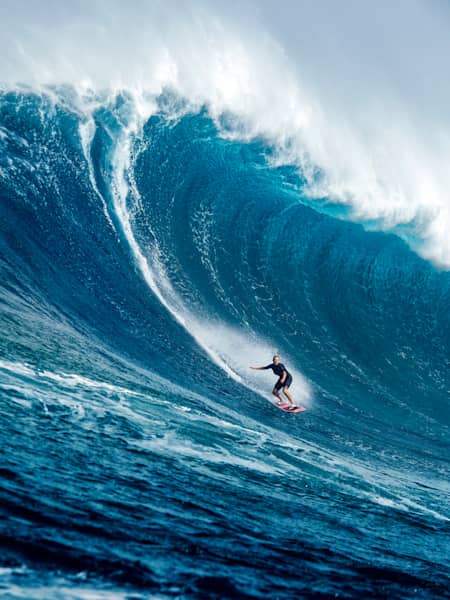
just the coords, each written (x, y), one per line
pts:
(285, 408)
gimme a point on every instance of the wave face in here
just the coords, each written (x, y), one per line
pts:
(145, 264)
(366, 124)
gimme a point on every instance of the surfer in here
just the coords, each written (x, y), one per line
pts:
(284, 381)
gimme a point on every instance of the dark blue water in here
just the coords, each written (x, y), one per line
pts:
(144, 267)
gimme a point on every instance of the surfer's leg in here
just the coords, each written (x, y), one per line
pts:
(276, 393)
(288, 395)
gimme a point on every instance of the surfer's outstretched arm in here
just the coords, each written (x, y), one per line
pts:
(260, 368)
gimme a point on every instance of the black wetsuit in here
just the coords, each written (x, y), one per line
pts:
(279, 369)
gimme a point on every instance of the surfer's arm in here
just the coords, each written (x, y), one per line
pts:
(260, 368)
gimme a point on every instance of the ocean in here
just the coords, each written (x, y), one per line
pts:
(153, 246)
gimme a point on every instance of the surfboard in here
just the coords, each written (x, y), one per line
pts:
(284, 408)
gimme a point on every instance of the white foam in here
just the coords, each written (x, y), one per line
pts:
(186, 450)
(87, 130)
(66, 379)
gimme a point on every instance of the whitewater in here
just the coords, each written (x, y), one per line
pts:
(186, 190)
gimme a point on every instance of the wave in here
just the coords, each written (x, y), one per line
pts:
(231, 248)
(145, 264)
(159, 234)
(356, 144)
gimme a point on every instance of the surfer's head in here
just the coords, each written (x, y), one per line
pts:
(276, 359)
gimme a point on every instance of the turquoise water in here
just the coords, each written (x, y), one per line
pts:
(143, 269)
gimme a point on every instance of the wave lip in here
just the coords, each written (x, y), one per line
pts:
(366, 150)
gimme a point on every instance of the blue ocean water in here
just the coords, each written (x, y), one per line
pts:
(143, 269)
